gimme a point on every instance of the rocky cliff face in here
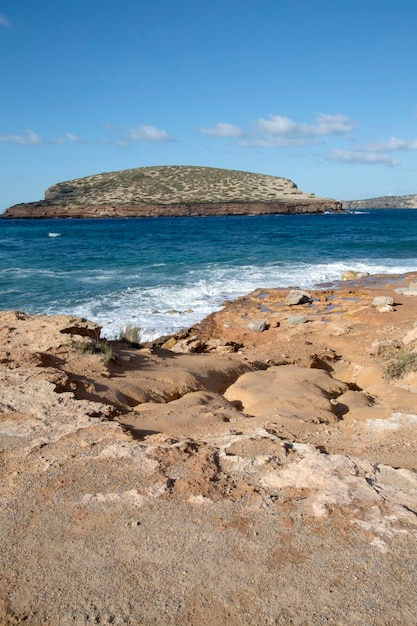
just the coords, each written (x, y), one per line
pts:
(172, 191)
(384, 202)
(46, 209)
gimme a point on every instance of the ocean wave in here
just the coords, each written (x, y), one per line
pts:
(167, 275)
(165, 309)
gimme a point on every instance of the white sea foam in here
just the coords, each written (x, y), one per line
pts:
(167, 308)
(169, 277)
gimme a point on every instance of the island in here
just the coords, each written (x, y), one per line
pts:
(172, 191)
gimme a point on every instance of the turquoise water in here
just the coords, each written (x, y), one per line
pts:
(139, 271)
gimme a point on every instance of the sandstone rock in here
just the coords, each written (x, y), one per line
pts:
(36, 337)
(258, 326)
(312, 474)
(294, 320)
(349, 401)
(385, 308)
(227, 349)
(379, 346)
(407, 291)
(363, 376)
(389, 395)
(168, 345)
(191, 344)
(297, 297)
(188, 416)
(344, 480)
(223, 347)
(383, 300)
(289, 391)
(353, 275)
(410, 337)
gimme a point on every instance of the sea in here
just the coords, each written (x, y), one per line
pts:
(165, 274)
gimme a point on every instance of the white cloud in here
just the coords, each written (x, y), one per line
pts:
(223, 129)
(281, 126)
(377, 153)
(149, 133)
(67, 138)
(362, 156)
(141, 133)
(30, 139)
(334, 124)
(392, 145)
(282, 131)
(73, 138)
(4, 21)
(275, 141)
(111, 127)
(33, 139)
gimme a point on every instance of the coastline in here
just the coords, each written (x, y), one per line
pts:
(46, 209)
(166, 275)
(263, 445)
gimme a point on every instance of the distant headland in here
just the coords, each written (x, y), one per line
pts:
(383, 202)
(172, 191)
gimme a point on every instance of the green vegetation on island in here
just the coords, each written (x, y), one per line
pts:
(172, 190)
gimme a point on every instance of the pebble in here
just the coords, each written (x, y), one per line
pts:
(258, 326)
(297, 297)
(411, 290)
(294, 320)
(383, 300)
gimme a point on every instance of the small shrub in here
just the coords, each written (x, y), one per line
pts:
(398, 362)
(94, 347)
(102, 347)
(130, 334)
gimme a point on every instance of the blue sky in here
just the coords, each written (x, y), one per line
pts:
(322, 92)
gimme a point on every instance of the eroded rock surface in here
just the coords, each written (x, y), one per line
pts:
(269, 478)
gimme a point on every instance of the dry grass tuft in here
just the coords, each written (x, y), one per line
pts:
(397, 362)
(131, 334)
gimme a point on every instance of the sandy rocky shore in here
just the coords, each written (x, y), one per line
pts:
(259, 469)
